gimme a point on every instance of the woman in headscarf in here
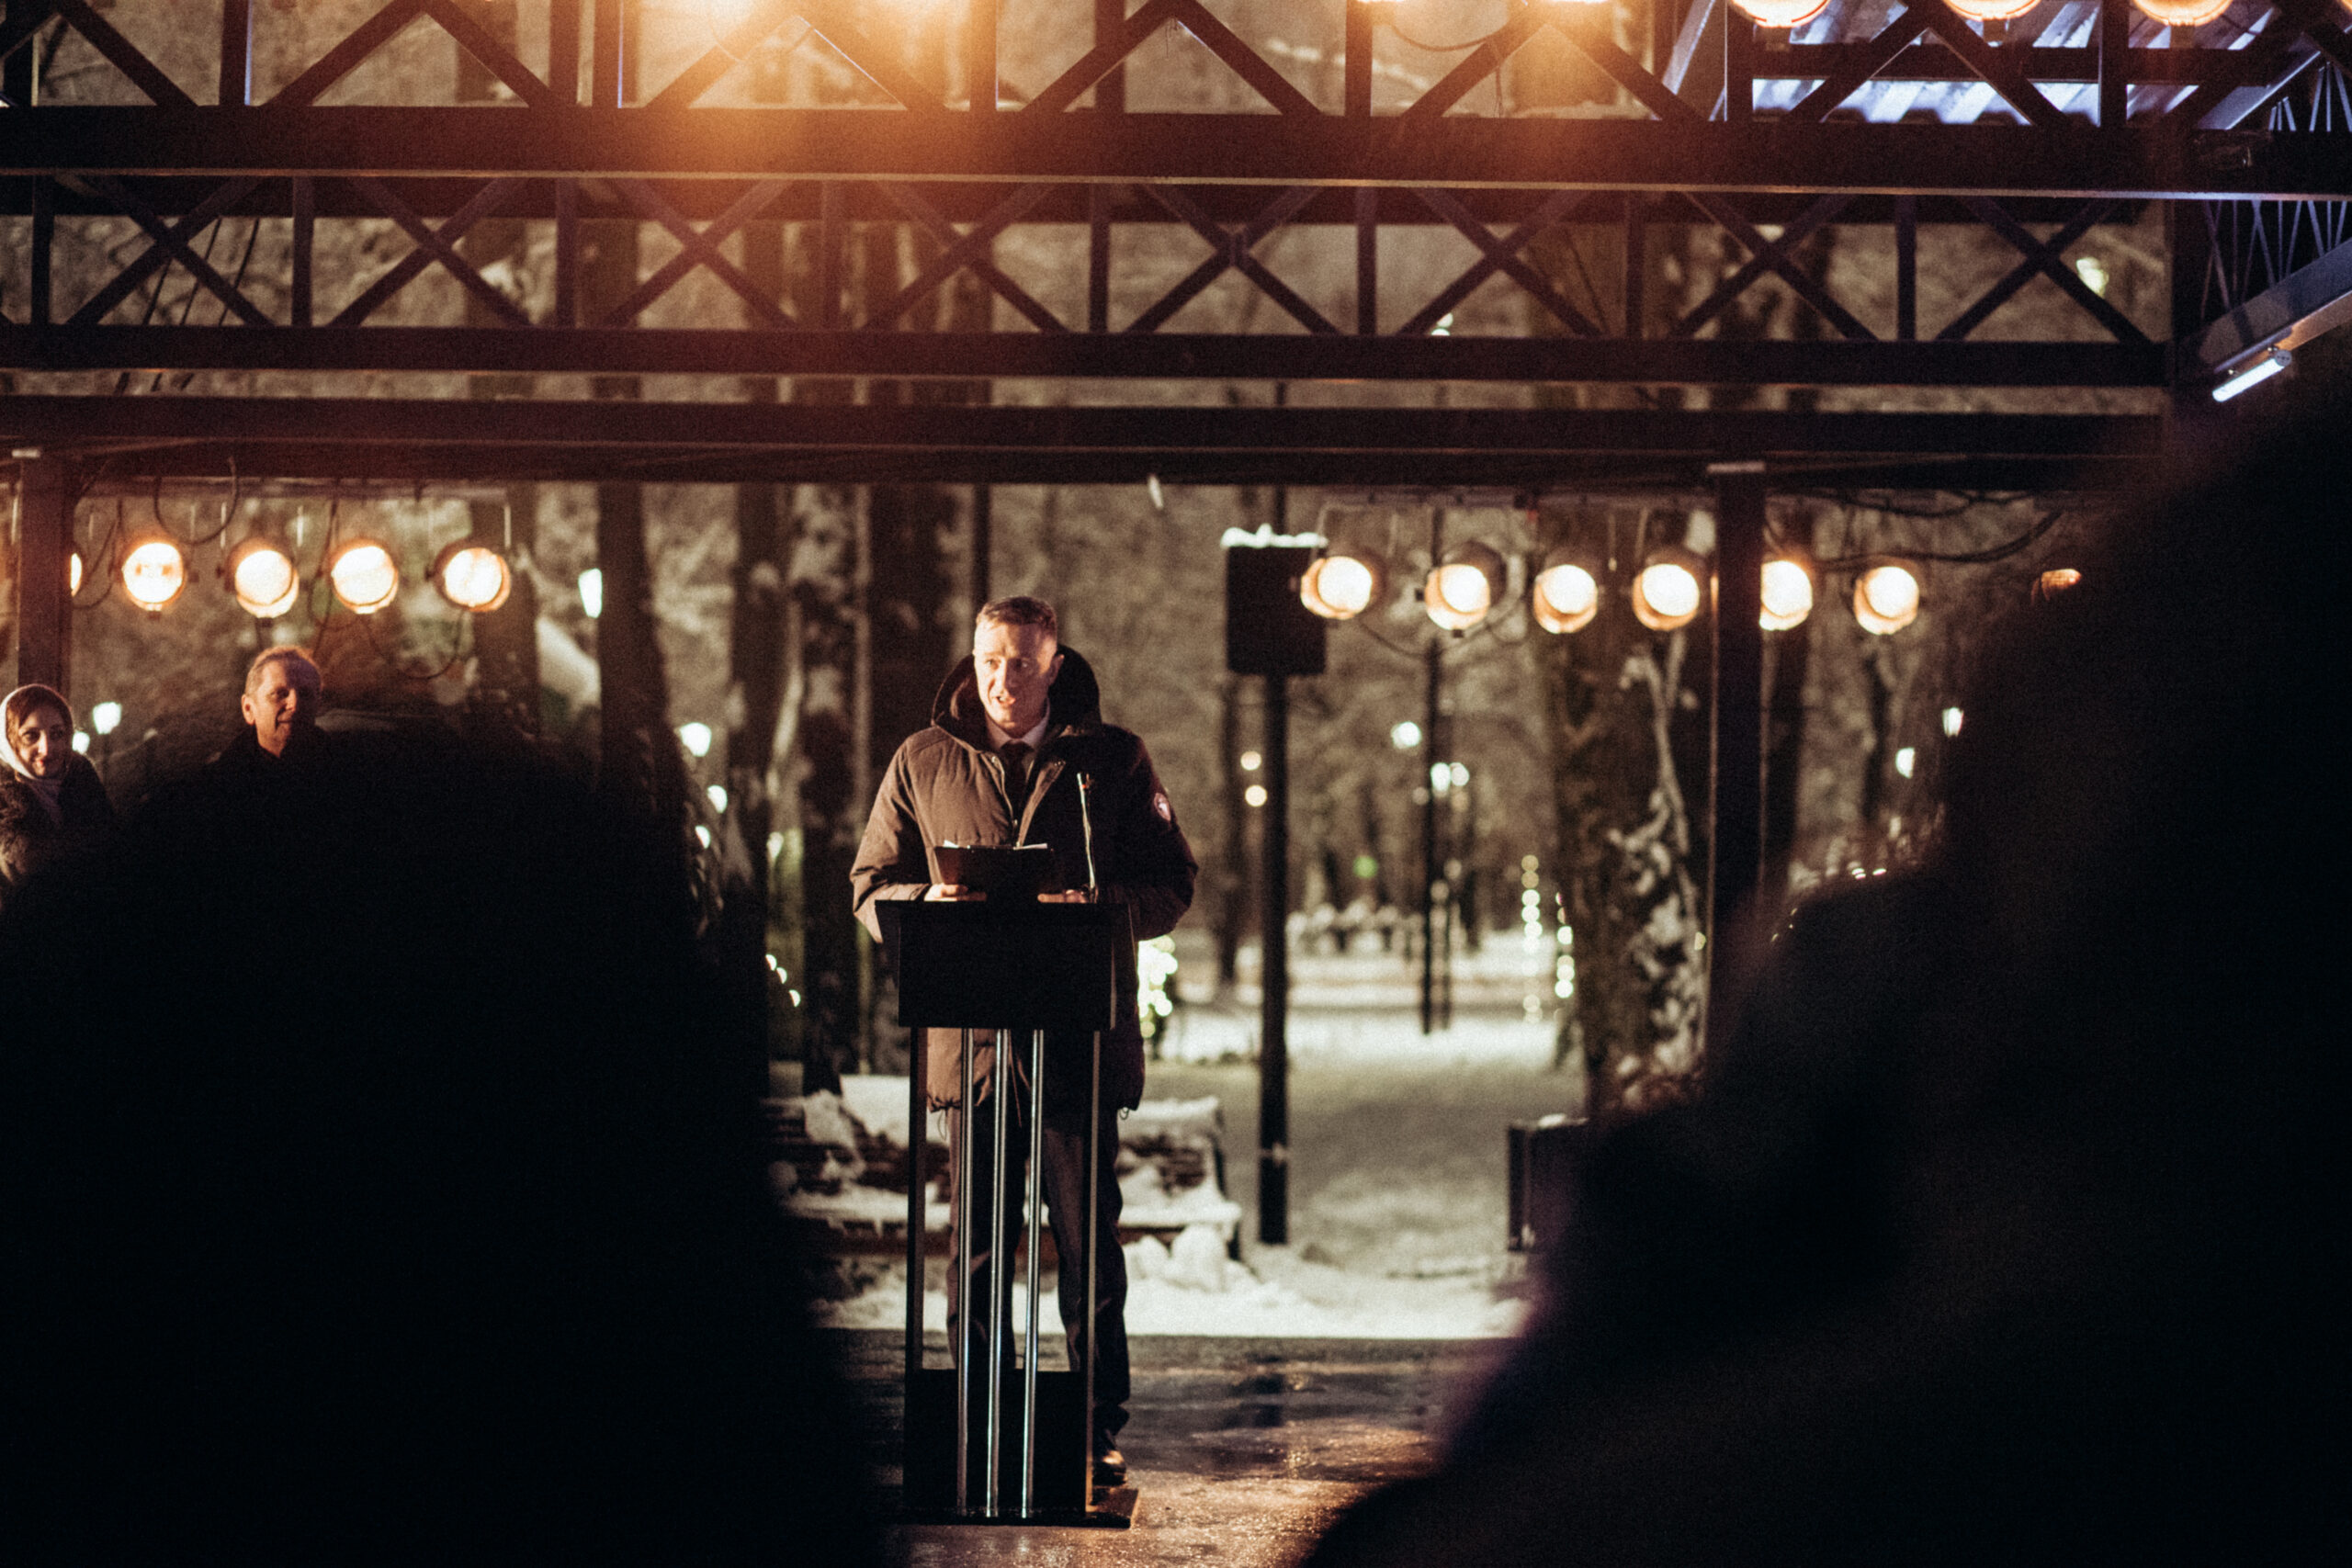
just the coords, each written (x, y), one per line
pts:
(52, 804)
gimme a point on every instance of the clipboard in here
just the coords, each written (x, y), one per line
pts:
(1012, 871)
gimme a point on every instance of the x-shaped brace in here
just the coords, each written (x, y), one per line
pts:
(1773, 254)
(171, 244)
(968, 251)
(432, 244)
(1230, 250)
(701, 248)
(1500, 256)
(2041, 259)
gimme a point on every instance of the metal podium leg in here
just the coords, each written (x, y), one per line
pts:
(1093, 1231)
(1035, 1206)
(999, 1285)
(966, 1114)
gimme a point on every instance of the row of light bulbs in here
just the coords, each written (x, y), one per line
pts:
(260, 573)
(1667, 592)
(2163, 13)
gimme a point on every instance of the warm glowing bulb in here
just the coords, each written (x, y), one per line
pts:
(472, 577)
(74, 572)
(365, 576)
(1462, 589)
(153, 573)
(1992, 10)
(1780, 13)
(2182, 13)
(263, 578)
(1338, 588)
(1666, 595)
(1886, 599)
(1567, 597)
(2056, 580)
(1788, 595)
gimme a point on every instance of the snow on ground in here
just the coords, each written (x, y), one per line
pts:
(1396, 1166)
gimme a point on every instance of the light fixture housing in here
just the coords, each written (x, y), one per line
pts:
(1342, 584)
(472, 576)
(1465, 586)
(366, 575)
(2181, 13)
(1886, 596)
(1790, 592)
(154, 570)
(1670, 588)
(1779, 13)
(262, 577)
(1565, 594)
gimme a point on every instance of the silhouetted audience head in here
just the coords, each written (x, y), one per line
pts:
(378, 1189)
(2004, 1227)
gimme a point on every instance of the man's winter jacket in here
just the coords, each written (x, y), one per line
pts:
(946, 785)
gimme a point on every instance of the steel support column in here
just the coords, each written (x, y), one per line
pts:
(45, 549)
(1737, 836)
(1273, 974)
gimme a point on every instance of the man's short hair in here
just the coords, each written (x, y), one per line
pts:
(286, 655)
(1021, 610)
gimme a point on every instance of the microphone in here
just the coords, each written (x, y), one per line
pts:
(1086, 824)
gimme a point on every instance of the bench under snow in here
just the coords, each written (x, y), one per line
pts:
(839, 1165)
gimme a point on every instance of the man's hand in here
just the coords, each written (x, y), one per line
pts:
(1075, 895)
(952, 893)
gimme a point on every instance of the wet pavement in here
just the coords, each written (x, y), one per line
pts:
(1239, 1450)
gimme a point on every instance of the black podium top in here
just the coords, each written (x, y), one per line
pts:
(1003, 964)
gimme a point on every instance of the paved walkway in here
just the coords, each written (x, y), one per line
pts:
(1241, 1450)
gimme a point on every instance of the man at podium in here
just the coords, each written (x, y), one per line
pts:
(1017, 754)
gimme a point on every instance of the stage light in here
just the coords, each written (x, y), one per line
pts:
(364, 575)
(154, 569)
(2253, 375)
(1992, 10)
(1565, 594)
(2182, 13)
(1779, 13)
(1343, 584)
(262, 577)
(1886, 597)
(1668, 588)
(1788, 595)
(472, 576)
(2054, 581)
(1468, 581)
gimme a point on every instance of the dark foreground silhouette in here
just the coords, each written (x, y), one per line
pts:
(2007, 1228)
(375, 1191)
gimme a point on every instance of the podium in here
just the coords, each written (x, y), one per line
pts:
(1020, 968)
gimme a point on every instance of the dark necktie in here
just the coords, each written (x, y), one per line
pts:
(1016, 775)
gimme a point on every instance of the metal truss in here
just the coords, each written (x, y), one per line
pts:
(2035, 132)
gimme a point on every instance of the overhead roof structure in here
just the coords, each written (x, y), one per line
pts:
(1872, 116)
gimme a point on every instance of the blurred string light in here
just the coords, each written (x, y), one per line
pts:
(2182, 13)
(262, 577)
(1906, 761)
(698, 738)
(1251, 761)
(1467, 583)
(365, 576)
(1952, 721)
(1255, 795)
(1788, 595)
(1780, 13)
(1565, 594)
(717, 794)
(1156, 982)
(472, 576)
(1886, 597)
(1667, 590)
(154, 569)
(1343, 584)
(1406, 736)
(106, 717)
(592, 592)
